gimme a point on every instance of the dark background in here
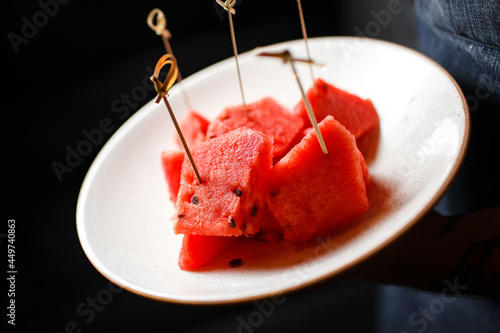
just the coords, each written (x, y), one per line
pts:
(63, 79)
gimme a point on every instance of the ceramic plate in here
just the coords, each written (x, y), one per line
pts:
(123, 209)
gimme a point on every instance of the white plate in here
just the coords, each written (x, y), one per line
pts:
(123, 210)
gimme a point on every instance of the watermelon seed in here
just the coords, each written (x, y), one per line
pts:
(254, 211)
(194, 200)
(274, 192)
(231, 221)
(235, 262)
(238, 192)
(181, 216)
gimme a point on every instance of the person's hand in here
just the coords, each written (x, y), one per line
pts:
(456, 255)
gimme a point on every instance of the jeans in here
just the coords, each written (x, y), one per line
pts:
(463, 36)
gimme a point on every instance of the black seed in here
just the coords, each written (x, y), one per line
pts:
(235, 262)
(238, 192)
(244, 225)
(194, 200)
(254, 211)
(181, 216)
(211, 136)
(286, 226)
(274, 192)
(225, 118)
(231, 222)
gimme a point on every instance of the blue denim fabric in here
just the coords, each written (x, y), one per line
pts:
(463, 36)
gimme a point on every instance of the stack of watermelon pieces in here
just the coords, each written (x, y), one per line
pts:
(264, 175)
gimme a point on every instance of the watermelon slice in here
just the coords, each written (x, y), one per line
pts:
(230, 199)
(368, 143)
(364, 170)
(266, 116)
(172, 164)
(270, 229)
(197, 251)
(193, 127)
(298, 138)
(356, 114)
(310, 192)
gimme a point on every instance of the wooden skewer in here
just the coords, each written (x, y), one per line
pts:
(304, 34)
(160, 28)
(286, 56)
(228, 6)
(162, 90)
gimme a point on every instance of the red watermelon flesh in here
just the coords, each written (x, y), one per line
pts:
(364, 170)
(270, 229)
(356, 114)
(197, 251)
(172, 163)
(265, 115)
(193, 127)
(310, 192)
(298, 137)
(305, 131)
(368, 143)
(230, 199)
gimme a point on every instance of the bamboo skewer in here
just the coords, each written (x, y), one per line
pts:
(286, 56)
(304, 34)
(228, 6)
(162, 90)
(160, 28)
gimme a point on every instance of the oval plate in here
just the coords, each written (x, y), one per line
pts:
(123, 209)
